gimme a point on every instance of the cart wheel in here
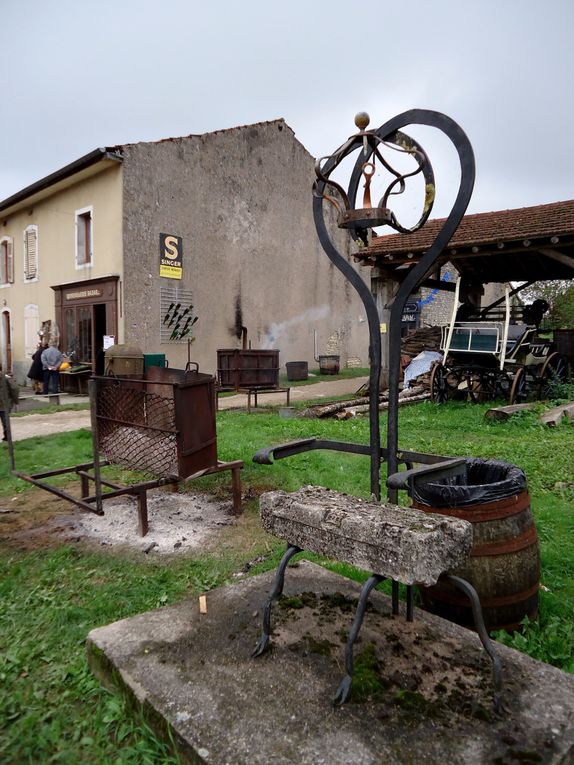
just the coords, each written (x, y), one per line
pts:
(554, 371)
(441, 386)
(519, 389)
(481, 386)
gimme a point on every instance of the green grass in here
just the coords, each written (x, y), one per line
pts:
(53, 710)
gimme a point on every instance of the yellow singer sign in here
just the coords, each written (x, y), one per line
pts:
(170, 256)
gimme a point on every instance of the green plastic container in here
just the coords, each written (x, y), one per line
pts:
(153, 360)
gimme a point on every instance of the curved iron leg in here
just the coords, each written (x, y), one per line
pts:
(395, 597)
(410, 604)
(345, 686)
(277, 590)
(469, 590)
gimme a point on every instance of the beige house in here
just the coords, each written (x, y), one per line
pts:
(219, 224)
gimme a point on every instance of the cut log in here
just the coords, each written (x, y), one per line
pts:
(506, 412)
(553, 417)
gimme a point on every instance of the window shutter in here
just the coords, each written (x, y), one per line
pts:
(31, 254)
(10, 262)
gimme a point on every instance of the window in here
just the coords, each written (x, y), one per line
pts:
(31, 328)
(31, 254)
(84, 237)
(6, 261)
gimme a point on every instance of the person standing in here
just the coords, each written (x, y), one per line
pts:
(36, 371)
(8, 397)
(51, 357)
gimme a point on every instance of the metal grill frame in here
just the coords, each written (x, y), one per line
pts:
(90, 472)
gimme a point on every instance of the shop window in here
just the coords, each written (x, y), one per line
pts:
(6, 261)
(31, 254)
(84, 237)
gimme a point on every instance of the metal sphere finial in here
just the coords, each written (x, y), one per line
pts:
(362, 119)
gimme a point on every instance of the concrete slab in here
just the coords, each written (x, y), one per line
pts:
(422, 691)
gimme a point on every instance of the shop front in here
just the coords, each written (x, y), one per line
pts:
(87, 316)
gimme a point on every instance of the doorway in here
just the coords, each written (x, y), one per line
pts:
(6, 343)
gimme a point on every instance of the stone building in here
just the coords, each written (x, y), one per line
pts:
(219, 224)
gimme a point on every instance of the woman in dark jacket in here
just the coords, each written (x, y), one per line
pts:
(36, 372)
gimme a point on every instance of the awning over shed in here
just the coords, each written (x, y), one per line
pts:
(526, 244)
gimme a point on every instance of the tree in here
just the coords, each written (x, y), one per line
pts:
(559, 294)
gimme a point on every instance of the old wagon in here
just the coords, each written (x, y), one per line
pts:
(496, 354)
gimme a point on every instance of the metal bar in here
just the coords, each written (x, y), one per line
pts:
(407, 478)
(471, 593)
(133, 489)
(281, 451)
(59, 493)
(89, 477)
(424, 267)
(143, 524)
(71, 469)
(346, 682)
(275, 593)
(93, 392)
(395, 597)
(374, 328)
(140, 425)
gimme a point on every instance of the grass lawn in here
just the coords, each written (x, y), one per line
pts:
(51, 708)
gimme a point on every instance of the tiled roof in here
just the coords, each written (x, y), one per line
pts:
(553, 219)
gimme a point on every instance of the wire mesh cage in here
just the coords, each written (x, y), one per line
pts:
(162, 423)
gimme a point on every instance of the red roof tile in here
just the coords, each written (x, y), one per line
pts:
(553, 219)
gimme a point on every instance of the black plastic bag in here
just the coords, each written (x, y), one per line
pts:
(485, 481)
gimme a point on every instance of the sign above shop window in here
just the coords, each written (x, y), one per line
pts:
(170, 256)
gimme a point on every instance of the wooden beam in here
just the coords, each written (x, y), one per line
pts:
(566, 260)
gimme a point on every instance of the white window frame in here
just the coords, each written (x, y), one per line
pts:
(32, 227)
(10, 258)
(83, 211)
(31, 337)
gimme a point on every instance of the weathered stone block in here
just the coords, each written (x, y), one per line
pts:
(404, 544)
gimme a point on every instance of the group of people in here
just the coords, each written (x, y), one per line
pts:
(44, 371)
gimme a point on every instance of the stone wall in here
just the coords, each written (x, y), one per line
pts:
(241, 200)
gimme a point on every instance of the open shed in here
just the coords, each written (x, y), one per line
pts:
(527, 244)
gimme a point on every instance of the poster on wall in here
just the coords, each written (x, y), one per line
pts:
(170, 256)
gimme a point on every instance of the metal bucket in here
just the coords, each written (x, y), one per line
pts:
(329, 365)
(297, 370)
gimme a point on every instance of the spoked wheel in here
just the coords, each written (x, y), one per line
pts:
(519, 388)
(554, 371)
(482, 386)
(443, 383)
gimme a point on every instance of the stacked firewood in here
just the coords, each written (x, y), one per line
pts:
(419, 340)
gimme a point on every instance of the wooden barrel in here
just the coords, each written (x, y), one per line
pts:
(504, 563)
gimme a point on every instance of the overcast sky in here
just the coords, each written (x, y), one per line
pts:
(79, 74)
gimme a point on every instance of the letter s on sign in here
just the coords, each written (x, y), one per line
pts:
(170, 247)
